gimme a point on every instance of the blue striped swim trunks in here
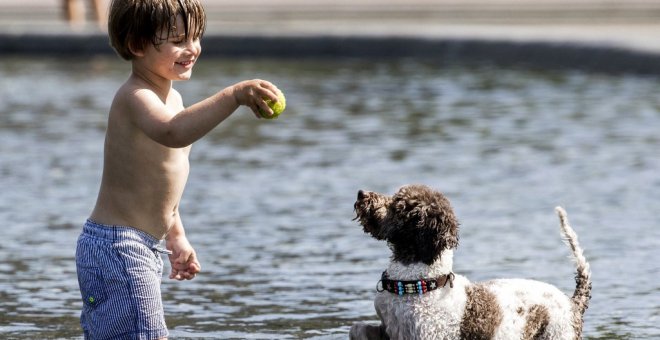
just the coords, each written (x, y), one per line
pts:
(119, 275)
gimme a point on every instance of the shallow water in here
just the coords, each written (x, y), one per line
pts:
(269, 203)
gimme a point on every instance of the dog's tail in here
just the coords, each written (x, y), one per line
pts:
(582, 292)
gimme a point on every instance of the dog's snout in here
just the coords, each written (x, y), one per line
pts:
(360, 194)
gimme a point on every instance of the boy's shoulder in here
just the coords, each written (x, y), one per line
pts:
(139, 102)
(135, 94)
(133, 87)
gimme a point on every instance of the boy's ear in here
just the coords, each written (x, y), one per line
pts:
(138, 52)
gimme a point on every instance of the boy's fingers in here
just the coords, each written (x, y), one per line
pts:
(185, 266)
(255, 109)
(264, 107)
(271, 94)
(266, 90)
(182, 275)
(194, 268)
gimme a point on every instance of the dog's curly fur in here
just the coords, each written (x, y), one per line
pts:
(422, 231)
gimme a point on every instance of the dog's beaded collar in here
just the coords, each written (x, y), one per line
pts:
(413, 287)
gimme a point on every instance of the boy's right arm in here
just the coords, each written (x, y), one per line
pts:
(180, 129)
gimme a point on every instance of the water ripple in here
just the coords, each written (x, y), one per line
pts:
(269, 203)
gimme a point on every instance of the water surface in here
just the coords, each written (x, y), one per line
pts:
(268, 205)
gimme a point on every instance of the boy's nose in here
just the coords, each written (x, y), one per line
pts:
(194, 46)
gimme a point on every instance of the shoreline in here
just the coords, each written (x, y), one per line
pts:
(585, 56)
(595, 35)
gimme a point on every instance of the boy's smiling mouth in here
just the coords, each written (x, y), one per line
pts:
(187, 63)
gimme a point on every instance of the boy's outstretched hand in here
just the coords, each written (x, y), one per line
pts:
(253, 93)
(183, 259)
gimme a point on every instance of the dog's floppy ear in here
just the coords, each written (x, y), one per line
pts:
(370, 209)
(439, 222)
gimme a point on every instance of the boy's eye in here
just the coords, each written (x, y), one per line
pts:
(177, 39)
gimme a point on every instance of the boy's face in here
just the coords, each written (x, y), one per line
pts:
(175, 57)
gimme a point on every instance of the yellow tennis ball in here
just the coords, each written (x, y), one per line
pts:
(277, 107)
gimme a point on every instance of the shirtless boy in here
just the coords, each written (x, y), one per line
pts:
(145, 169)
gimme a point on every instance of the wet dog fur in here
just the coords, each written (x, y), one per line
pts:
(421, 229)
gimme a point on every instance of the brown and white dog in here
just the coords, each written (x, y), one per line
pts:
(421, 298)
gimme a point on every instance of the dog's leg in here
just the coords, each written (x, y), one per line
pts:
(361, 331)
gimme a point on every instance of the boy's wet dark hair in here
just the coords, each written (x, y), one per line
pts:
(133, 24)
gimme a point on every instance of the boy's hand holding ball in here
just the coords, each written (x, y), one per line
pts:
(277, 106)
(258, 94)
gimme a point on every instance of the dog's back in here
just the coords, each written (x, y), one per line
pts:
(517, 308)
(497, 309)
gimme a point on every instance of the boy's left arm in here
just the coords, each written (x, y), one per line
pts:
(183, 258)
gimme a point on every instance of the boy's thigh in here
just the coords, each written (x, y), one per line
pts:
(121, 292)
